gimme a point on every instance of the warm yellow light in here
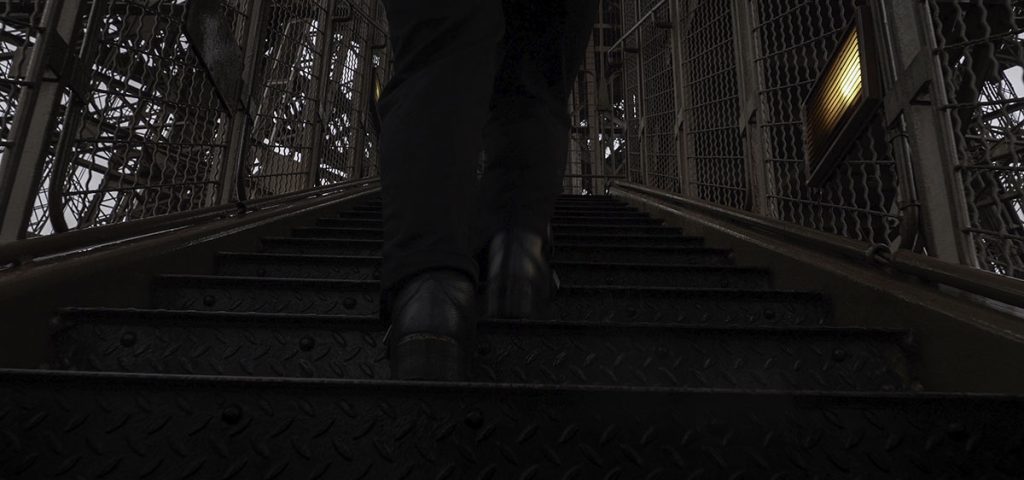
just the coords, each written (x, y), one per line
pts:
(840, 90)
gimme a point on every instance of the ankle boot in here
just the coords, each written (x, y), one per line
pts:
(433, 325)
(520, 281)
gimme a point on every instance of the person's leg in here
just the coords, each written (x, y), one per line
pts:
(526, 141)
(432, 113)
(526, 138)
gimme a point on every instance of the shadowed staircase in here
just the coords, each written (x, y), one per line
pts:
(660, 359)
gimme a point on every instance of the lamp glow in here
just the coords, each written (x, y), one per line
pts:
(838, 106)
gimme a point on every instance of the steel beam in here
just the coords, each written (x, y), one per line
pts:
(32, 130)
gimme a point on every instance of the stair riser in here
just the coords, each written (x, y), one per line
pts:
(617, 220)
(595, 274)
(682, 255)
(586, 208)
(575, 229)
(504, 354)
(199, 429)
(724, 308)
(628, 240)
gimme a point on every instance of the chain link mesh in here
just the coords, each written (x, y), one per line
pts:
(981, 56)
(152, 134)
(659, 104)
(713, 147)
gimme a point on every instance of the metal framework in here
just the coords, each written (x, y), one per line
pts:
(117, 111)
(147, 122)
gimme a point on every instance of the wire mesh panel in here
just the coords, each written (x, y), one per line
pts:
(660, 147)
(630, 81)
(282, 145)
(982, 62)
(151, 136)
(713, 147)
(795, 40)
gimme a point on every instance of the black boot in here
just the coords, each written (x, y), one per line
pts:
(520, 281)
(433, 325)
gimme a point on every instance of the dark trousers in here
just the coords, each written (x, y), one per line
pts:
(471, 76)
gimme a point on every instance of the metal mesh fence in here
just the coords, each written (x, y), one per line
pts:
(631, 94)
(150, 136)
(795, 41)
(658, 105)
(358, 67)
(148, 126)
(712, 145)
(282, 142)
(596, 143)
(981, 56)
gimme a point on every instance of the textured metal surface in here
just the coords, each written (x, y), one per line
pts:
(571, 273)
(518, 352)
(185, 427)
(599, 304)
(325, 236)
(676, 253)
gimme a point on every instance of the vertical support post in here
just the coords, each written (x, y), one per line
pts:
(932, 156)
(746, 69)
(232, 175)
(590, 74)
(361, 81)
(32, 129)
(322, 72)
(675, 18)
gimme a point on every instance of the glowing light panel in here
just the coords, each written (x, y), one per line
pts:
(838, 105)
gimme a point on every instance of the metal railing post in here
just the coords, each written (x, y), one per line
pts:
(746, 69)
(34, 123)
(362, 83)
(932, 156)
(232, 175)
(321, 71)
(679, 128)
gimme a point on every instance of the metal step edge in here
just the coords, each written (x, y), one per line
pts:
(558, 247)
(805, 398)
(98, 315)
(194, 280)
(306, 257)
(629, 236)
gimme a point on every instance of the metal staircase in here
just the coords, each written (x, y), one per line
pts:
(661, 358)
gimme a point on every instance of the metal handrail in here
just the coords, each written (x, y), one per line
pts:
(79, 240)
(979, 282)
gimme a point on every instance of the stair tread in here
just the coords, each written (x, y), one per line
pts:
(512, 428)
(378, 258)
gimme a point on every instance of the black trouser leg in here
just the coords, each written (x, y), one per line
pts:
(527, 133)
(433, 111)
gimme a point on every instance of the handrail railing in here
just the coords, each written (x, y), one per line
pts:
(23, 251)
(988, 285)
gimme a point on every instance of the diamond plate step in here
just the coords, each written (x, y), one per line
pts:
(576, 228)
(596, 304)
(341, 267)
(562, 236)
(562, 252)
(178, 426)
(559, 209)
(187, 342)
(606, 219)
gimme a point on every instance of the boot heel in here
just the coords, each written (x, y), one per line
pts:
(427, 357)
